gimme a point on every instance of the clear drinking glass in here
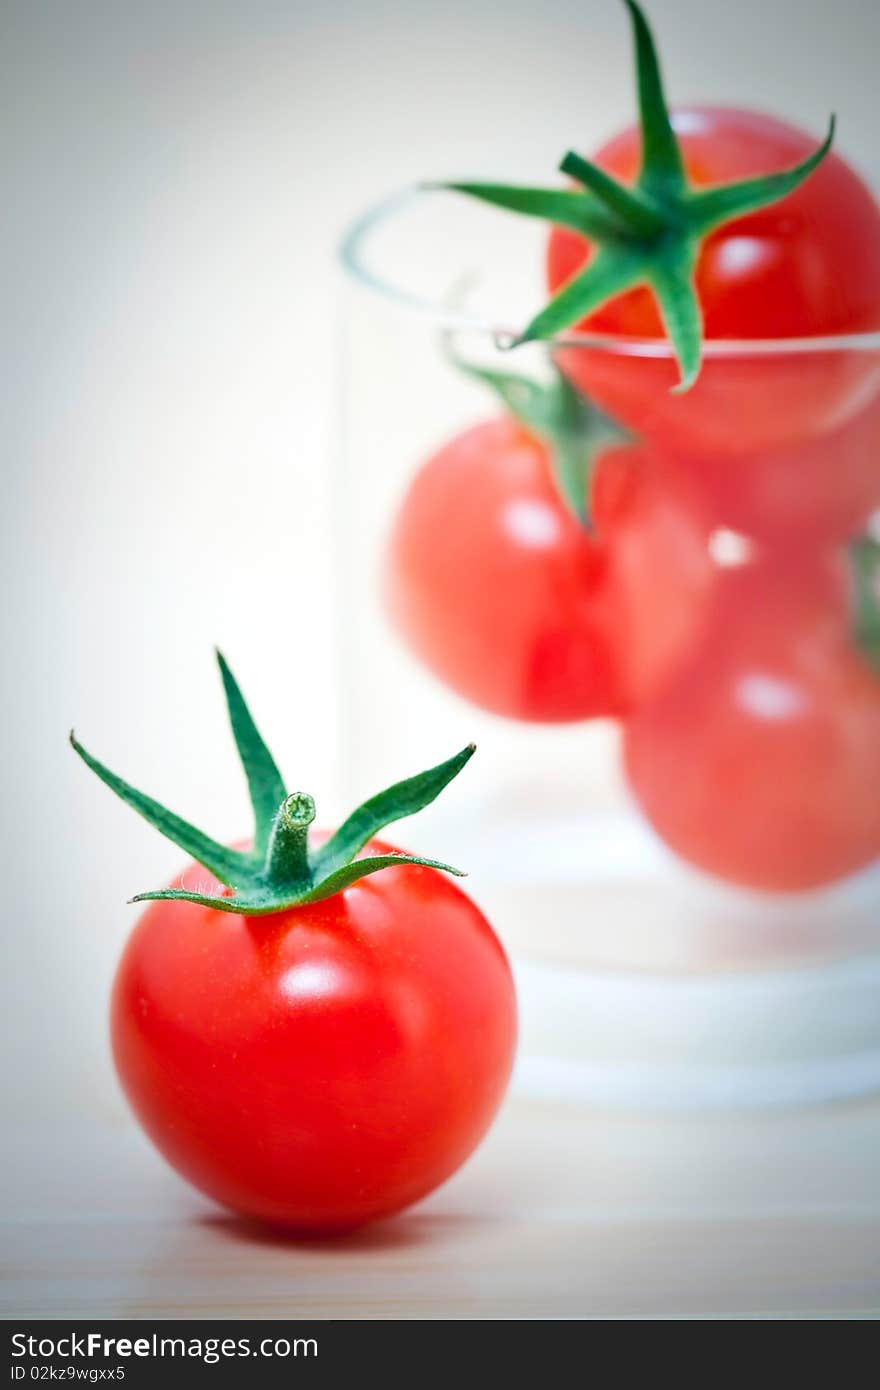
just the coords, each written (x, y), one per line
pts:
(641, 981)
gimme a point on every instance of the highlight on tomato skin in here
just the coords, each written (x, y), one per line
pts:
(808, 266)
(509, 600)
(759, 762)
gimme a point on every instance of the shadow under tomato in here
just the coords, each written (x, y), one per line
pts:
(393, 1233)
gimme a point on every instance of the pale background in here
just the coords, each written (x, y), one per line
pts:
(176, 177)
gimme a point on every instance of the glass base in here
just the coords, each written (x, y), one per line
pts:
(645, 985)
(749, 1041)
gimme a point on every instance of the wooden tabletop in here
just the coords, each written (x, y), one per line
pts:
(563, 1213)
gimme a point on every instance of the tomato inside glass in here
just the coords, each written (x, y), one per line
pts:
(804, 495)
(496, 586)
(808, 266)
(508, 599)
(759, 762)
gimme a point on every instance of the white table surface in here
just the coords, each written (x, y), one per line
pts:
(563, 1213)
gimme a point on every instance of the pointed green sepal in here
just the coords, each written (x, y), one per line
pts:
(672, 280)
(564, 207)
(709, 208)
(635, 213)
(371, 864)
(229, 865)
(265, 783)
(262, 902)
(183, 895)
(612, 270)
(403, 799)
(662, 164)
(282, 872)
(572, 428)
(647, 234)
(865, 560)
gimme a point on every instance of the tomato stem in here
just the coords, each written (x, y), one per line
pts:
(288, 853)
(282, 871)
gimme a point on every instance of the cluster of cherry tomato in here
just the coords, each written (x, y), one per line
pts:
(751, 716)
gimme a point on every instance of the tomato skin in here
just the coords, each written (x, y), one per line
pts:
(506, 597)
(496, 586)
(760, 762)
(660, 573)
(813, 493)
(321, 1067)
(806, 266)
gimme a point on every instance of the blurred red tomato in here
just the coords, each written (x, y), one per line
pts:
(819, 491)
(505, 596)
(497, 587)
(760, 761)
(660, 573)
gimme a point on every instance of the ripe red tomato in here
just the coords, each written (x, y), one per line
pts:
(822, 490)
(760, 761)
(505, 596)
(804, 267)
(660, 572)
(319, 1067)
(496, 586)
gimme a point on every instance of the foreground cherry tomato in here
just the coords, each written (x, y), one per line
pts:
(501, 591)
(320, 1067)
(328, 1039)
(760, 761)
(808, 266)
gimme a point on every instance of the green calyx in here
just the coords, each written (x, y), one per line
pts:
(865, 560)
(573, 430)
(648, 234)
(282, 871)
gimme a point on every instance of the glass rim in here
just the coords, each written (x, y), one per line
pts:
(449, 315)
